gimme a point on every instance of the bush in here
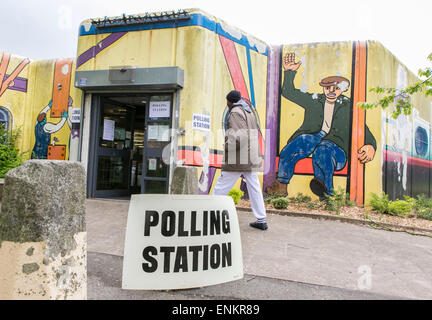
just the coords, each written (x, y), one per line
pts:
(336, 201)
(10, 157)
(273, 196)
(380, 204)
(313, 205)
(236, 194)
(280, 203)
(422, 206)
(384, 205)
(399, 207)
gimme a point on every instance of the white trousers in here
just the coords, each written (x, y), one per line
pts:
(226, 181)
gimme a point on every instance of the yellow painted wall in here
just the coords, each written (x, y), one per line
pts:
(26, 106)
(15, 101)
(397, 135)
(198, 52)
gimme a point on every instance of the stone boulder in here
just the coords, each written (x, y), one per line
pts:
(43, 200)
(42, 231)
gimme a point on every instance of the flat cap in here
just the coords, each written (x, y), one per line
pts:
(332, 81)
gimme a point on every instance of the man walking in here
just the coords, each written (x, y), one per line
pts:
(241, 156)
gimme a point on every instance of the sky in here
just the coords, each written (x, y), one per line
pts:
(47, 29)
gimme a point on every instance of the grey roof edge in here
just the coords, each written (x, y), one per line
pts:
(161, 77)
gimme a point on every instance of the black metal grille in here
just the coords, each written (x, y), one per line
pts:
(168, 16)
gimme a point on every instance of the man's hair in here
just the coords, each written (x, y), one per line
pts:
(41, 117)
(233, 96)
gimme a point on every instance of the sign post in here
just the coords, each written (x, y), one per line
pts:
(181, 241)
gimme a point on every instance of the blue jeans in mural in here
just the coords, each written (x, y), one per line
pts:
(327, 158)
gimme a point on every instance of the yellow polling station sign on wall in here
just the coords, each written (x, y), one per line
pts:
(181, 241)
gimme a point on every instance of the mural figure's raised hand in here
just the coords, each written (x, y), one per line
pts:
(289, 62)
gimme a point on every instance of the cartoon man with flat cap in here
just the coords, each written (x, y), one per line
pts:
(324, 134)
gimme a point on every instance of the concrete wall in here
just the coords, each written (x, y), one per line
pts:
(351, 128)
(215, 57)
(396, 162)
(406, 141)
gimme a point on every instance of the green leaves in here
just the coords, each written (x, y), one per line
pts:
(280, 203)
(401, 98)
(9, 154)
(236, 194)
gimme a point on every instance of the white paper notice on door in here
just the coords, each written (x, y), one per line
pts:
(108, 130)
(152, 164)
(153, 132)
(163, 133)
(160, 109)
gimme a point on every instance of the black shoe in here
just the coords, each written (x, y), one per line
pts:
(259, 225)
(318, 187)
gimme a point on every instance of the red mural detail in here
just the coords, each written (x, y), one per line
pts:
(234, 66)
(57, 152)
(305, 166)
(236, 73)
(6, 82)
(358, 124)
(392, 156)
(194, 158)
(61, 87)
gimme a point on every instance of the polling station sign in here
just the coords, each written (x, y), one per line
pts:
(201, 122)
(181, 241)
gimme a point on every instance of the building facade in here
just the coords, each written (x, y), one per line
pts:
(146, 93)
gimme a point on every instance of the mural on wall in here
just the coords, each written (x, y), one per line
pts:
(237, 77)
(43, 131)
(12, 81)
(52, 118)
(9, 80)
(324, 134)
(406, 166)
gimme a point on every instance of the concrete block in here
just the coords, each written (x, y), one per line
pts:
(185, 181)
(43, 232)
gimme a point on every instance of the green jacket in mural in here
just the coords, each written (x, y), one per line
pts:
(313, 104)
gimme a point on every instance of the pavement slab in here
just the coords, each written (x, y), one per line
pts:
(104, 283)
(311, 255)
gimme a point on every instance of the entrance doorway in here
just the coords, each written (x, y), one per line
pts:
(128, 137)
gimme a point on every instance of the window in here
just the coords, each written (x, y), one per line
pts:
(4, 118)
(421, 141)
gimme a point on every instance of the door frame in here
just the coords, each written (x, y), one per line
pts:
(96, 113)
(146, 150)
(94, 131)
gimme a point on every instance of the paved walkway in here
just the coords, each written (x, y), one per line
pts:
(297, 258)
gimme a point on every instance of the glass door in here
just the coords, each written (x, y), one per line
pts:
(157, 137)
(114, 145)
